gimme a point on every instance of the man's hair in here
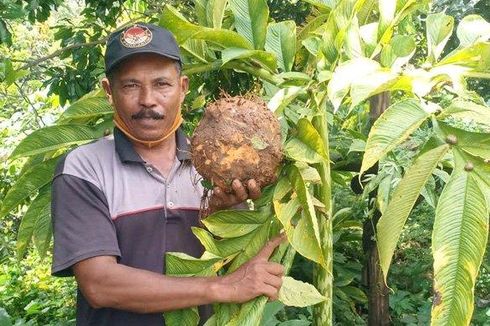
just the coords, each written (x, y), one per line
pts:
(111, 74)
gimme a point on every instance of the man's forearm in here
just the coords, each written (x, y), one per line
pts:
(112, 285)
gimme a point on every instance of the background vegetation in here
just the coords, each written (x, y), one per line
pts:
(51, 56)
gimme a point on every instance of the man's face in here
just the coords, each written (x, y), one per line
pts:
(147, 92)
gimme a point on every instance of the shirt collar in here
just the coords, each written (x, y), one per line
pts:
(126, 152)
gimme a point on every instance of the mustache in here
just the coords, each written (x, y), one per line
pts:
(148, 113)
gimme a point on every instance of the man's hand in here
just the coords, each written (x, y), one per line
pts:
(222, 200)
(256, 277)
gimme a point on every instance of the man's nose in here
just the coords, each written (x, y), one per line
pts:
(146, 97)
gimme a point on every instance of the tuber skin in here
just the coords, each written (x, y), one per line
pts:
(237, 138)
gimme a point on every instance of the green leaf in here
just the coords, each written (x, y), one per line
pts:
(184, 30)
(306, 236)
(268, 60)
(298, 294)
(387, 9)
(281, 40)
(463, 109)
(439, 29)
(180, 264)
(40, 208)
(43, 230)
(250, 313)
(472, 29)
(224, 247)
(234, 223)
(310, 136)
(475, 143)
(54, 138)
(4, 318)
(299, 151)
(251, 18)
(5, 35)
(392, 127)
(405, 195)
(182, 317)
(86, 109)
(283, 98)
(355, 293)
(254, 245)
(28, 184)
(399, 52)
(459, 240)
(215, 11)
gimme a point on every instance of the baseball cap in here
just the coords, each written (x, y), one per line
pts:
(140, 38)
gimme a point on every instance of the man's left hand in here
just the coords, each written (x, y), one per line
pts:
(222, 200)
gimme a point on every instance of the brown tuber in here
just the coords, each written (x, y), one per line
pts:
(237, 138)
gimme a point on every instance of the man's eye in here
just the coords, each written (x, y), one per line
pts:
(162, 84)
(133, 85)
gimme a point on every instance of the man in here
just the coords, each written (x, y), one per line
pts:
(120, 203)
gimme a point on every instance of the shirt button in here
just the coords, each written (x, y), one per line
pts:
(170, 204)
(149, 169)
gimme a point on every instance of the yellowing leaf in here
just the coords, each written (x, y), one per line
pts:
(298, 294)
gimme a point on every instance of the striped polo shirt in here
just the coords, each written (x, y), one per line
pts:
(107, 201)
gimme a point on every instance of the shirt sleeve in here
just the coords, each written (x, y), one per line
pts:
(82, 225)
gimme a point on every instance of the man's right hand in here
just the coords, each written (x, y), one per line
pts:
(256, 277)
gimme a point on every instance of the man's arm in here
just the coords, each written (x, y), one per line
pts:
(107, 284)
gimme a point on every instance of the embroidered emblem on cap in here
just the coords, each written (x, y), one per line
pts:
(136, 36)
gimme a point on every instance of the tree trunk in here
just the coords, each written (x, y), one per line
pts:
(378, 292)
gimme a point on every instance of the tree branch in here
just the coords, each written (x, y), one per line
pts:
(60, 51)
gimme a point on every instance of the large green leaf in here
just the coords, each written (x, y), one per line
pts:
(43, 229)
(281, 40)
(250, 313)
(398, 52)
(439, 28)
(54, 138)
(310, 136)
(251, 18)
(307, 230)
(184, 30)
(224, 247)
(215, 11)
(266, 59)
(284, 97)
(180, 264)
(298, 294)
(299, 151)
(392, 128)
(254, 245)
(387, 9)
(475, 56)
(40, 208)
(234, 223)
(473, 29)
(475, 143)
(86, 109)
(28, 184)
(458, 244)
(182, 317)
(464, 109)
(391, 223)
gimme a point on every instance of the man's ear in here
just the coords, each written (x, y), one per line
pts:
(106, 85)
(184, 84)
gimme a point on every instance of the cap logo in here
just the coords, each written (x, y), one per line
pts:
(136, 36)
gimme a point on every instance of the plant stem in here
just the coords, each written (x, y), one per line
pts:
(323, 278)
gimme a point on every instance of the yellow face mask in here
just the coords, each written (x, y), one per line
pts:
(148, 143)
